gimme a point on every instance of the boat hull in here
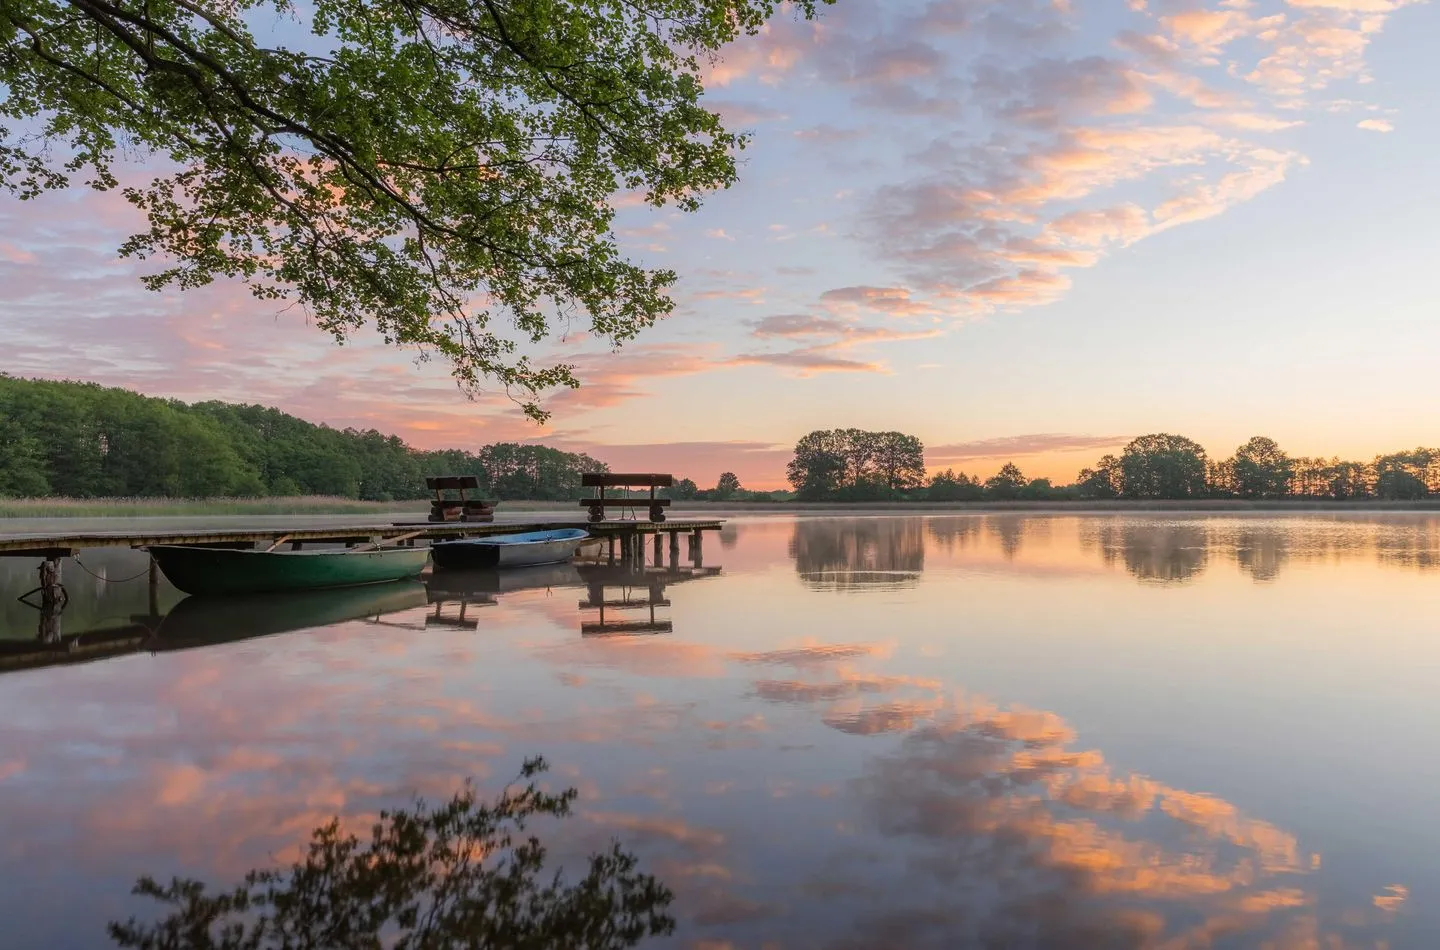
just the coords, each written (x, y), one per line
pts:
(503, 551)
(217, 571)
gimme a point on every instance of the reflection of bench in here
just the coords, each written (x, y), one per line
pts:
(604, 480)
(445, 508)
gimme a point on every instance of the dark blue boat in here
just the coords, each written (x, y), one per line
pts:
(509, 550)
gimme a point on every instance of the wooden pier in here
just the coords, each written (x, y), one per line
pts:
(625, 540)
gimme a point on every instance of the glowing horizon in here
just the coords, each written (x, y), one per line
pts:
(1024, 231)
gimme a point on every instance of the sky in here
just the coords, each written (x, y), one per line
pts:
(1021, 230)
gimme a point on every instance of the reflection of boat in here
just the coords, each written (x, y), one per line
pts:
(477, 588)
(210, 571)
(196, 621)
(480, 582)
(202, 621)
(509, 550)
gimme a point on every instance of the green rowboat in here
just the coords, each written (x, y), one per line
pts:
(211, 571)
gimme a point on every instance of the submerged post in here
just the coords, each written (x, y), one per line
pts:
(154, 581)
(52, 592)
(658, 542)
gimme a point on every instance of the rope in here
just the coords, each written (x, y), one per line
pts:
(102, 577)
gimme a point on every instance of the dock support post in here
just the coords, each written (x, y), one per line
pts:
(674, 549)
(658, 553)
(154, 582)
(697, 555)
(611, 542)
(52, 592)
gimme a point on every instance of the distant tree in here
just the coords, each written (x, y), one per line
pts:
(684, 489)
(1102, 481)
(1163, 466)
(1346, 480)
(949, 486)
(1039, 489)
(856, 465)
(22, 462)
(898, 460)
(1260, 469)
(1006, 484)
(1407, 476)
(818, 469)
(727, 486)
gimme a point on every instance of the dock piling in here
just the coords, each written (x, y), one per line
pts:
(154, 587)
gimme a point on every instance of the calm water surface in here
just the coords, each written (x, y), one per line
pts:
(980, 730)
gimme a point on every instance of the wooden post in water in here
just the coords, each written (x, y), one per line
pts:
(658, 542)
(154, 581)
(52, 593)
(697, 556)
(612, 549)
(674, 549)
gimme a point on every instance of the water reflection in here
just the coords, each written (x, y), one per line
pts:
(464, 873)
(1153, 552)
(456, 595)
(856, 553)
(1015, 746)
(629, 599)
(1082, 855)
(848, 553)
(206, 621)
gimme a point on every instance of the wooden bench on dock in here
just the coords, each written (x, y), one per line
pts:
(604, 480)
(443, 507)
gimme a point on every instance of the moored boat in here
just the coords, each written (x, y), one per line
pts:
(209, 571)
(509, 550)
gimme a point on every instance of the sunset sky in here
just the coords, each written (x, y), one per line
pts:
(1019, 229)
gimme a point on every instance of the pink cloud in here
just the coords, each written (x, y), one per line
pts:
(1016, 446)
(1376, 125)
(807, 361)
(798, 324)
(895, 301)
(829, 134)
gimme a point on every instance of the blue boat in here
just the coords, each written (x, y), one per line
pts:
(509, 550)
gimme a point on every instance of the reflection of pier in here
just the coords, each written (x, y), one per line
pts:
(630, 589)
(466, 591)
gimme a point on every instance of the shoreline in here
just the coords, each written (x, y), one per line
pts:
(189, 514)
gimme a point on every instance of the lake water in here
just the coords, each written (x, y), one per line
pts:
(950, 731)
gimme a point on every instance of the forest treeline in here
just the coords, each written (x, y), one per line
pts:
(856, 465)
(86, 441)
(83, 440)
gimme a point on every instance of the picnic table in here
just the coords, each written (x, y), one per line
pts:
(443, 507)
(625, 482)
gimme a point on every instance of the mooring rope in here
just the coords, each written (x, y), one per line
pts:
(102, 577)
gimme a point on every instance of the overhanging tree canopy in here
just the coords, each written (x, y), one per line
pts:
(422, 166)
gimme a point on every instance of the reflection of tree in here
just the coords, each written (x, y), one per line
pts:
(955, 532)
(1261, 552)
(1009, 530)
(1161, 552)
(835, 554)
(448, 876)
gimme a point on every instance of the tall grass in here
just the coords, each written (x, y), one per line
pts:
(149, 507)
